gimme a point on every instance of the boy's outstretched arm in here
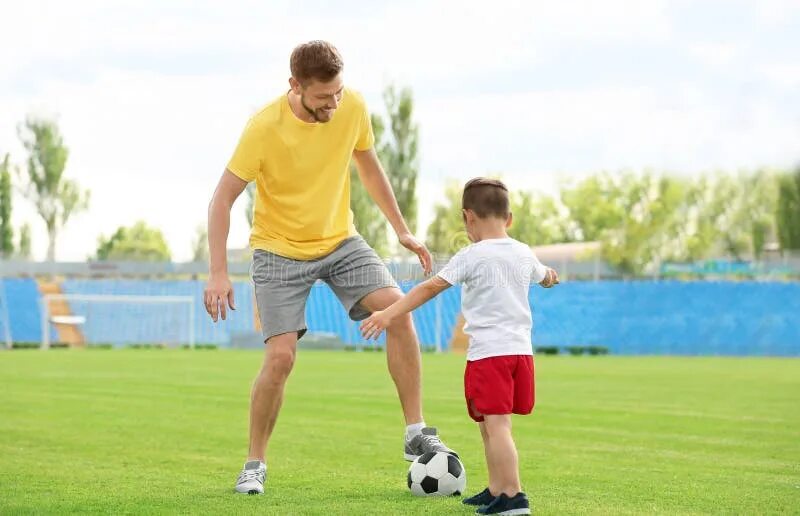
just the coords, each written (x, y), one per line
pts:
(373, 326)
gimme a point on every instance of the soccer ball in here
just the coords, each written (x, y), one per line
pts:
(437, 474)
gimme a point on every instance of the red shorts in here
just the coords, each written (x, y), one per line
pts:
(499, 385)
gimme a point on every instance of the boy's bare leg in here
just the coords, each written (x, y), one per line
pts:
(502, 453)
(494, 487)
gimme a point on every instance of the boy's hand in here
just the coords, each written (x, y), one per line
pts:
(373, 326)
(550, 278)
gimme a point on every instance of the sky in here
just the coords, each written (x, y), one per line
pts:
(151, 96)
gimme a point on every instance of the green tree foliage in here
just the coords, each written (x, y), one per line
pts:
(24, 249)
(788, 210)
(640, 219)
(6, 231)
(538, 220)
(136, 243)
(367, 217)
(250, 190)
(644, 219)
(200, 244)
(398, 152)
(55, 197)
(446, 233)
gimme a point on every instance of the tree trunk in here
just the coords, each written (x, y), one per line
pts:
(51, 244)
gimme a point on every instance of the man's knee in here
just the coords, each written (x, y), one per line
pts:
(281, 352)
(402, 323)
(281, 360)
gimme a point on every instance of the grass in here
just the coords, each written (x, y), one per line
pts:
(158, 431)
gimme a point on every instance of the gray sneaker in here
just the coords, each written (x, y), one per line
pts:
(427, 441)
(251, 479)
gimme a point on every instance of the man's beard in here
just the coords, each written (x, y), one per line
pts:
(310, 111)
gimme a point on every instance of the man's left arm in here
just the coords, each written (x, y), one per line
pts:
(380, 190)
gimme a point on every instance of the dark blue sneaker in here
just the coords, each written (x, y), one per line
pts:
(483, 498)
(518, 504)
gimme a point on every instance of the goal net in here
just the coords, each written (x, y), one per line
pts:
(118, 320)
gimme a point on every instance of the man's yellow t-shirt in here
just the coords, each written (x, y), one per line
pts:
(301, 170)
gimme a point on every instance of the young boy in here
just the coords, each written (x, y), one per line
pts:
(496, 272)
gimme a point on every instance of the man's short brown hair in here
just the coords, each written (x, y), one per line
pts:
(486, 197)
(315, 60)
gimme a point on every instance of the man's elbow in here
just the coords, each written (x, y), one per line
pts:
(218, 203)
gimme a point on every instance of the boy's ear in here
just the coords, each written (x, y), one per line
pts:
(509, 220)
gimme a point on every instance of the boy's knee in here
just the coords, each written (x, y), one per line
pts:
(497, 424)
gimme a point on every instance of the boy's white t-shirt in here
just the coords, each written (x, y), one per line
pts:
(496, 275)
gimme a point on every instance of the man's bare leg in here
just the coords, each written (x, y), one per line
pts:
(403, 357)
(267, 394)
(402, 354)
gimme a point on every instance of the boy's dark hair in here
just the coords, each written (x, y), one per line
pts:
(486, 197)
(315, 60)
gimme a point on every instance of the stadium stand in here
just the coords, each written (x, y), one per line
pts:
(630, 318)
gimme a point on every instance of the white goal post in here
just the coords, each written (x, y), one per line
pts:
(114, 319)
(5, 320)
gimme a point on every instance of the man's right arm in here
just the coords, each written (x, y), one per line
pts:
(219, 290)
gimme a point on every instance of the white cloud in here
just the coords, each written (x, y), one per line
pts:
(783, 74)
(152, 96)
(713, 53)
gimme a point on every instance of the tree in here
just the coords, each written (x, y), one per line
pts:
(636, 217)
(251, 202)
(367, 217)
(24, 250)
(398, 153)
(6, 231)
(446, 233)
(741, 210)
(702, 232)
(200, 244)
(136, 243)
(537, 220)
(55, 197)
(788, 210)
(591, 205)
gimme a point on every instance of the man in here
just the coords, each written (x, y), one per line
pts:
(298, 149)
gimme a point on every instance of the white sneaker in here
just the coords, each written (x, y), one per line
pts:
(426, 442)
(251, 479)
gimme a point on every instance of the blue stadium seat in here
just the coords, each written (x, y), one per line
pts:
(24, 313)
(669, 317)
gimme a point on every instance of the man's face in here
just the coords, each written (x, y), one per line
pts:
(320, 99)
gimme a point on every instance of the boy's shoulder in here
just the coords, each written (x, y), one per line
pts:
(500, 246)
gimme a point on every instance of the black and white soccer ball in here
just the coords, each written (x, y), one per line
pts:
(437, 474)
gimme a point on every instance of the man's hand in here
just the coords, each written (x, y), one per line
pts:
(411, 243)
(218, 293)
(373, 326)
(550, 278)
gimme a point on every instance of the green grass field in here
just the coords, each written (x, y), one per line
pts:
(154, 431)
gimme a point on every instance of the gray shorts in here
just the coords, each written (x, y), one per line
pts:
(282, 285)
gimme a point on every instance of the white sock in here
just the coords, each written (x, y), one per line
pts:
(414, 430)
